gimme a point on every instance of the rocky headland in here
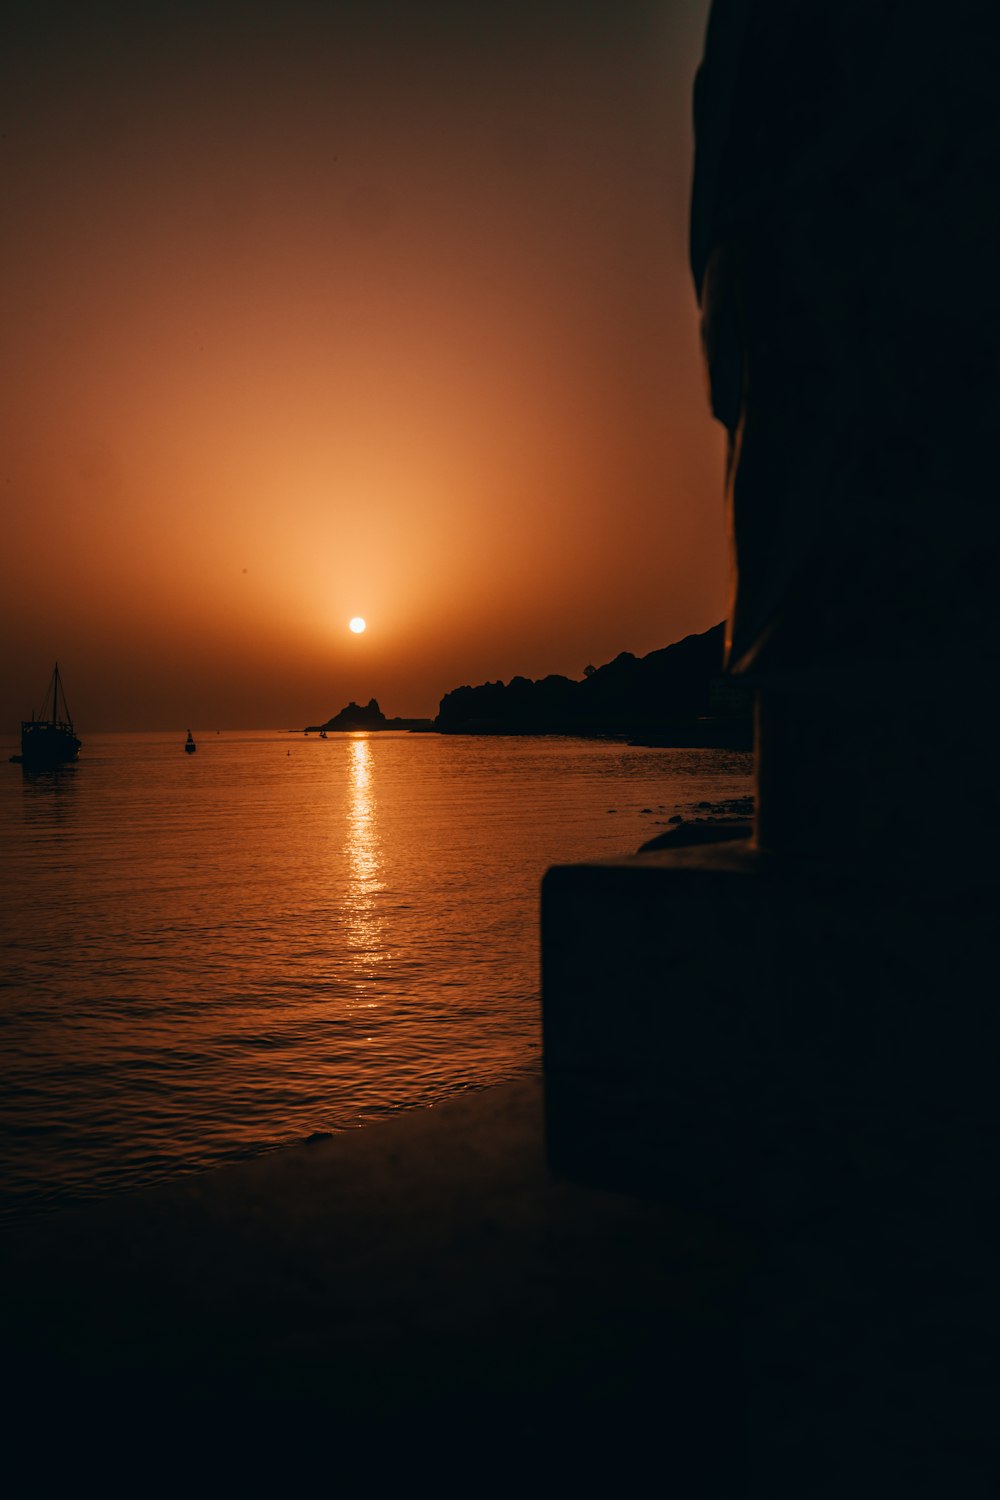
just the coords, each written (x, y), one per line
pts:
(677, 696)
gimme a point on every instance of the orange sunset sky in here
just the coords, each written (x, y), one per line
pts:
(315, 310)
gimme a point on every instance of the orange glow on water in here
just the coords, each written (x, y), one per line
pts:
(366, 929)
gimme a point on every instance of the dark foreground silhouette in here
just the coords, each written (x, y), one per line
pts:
(797, 1030)
(417, 1301)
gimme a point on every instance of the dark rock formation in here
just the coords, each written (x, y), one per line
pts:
(355, 717)
(368, 718)
(661, 698)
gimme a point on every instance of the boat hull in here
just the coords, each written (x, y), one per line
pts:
(45, 745)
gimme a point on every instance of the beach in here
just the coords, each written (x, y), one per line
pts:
(418, 1292)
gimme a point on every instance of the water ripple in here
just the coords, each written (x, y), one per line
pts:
(207, 957)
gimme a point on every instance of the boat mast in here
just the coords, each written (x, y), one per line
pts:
(56, 688)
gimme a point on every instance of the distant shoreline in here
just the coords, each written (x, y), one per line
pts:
(705, 734)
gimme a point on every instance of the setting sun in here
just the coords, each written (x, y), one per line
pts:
(287, 383)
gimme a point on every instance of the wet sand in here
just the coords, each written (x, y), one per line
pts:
(414, 1297)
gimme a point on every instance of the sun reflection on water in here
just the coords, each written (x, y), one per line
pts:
(365, 924)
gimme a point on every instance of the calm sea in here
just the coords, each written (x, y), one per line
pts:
(207, 956)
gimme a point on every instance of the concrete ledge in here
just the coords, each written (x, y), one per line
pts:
(772, 1041)
(810, 1051)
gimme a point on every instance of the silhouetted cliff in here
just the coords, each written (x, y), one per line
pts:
(666, 697)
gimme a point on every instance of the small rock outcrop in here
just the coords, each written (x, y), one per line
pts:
(368, 718)
(356, 717)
